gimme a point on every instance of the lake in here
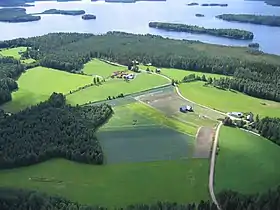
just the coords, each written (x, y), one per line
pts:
(134, 18)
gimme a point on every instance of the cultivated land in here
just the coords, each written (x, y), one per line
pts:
(228, 101)
(179, 74)
(246, 163)
(111, 185)
(114, 87)
(100, 68)
(37, 84)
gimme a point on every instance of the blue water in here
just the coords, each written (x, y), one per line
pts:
(135, 17)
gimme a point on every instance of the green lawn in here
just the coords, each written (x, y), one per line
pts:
(39, 83)
(246, 163)
(14, 52)
(98, 67)
(228, 101)
(179, 74)
(117, 184)
(114, 87)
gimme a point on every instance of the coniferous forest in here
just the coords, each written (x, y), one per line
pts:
(52, 129)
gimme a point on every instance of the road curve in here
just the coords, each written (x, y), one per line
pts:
(212, 167)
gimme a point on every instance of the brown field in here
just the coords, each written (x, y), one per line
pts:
(203, 142)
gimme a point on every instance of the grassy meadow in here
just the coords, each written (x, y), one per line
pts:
(112, 185)
(179, 74)
(114, 87)
(98, 67)
(37, 84)
(13, 52)
(246, 163)
(228, 101)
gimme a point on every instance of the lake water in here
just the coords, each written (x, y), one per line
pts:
(135, 17)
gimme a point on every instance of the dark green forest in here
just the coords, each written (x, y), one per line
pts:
(228, 33)
(16, 199)
(269, 128)
(10, 69)
(52, 129)
(16, 15)
(270, 20)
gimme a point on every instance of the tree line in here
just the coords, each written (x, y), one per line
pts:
(70, 51)
(52, 129)
(270, 20)
(228, 33)
(17, 199)
(10, 69)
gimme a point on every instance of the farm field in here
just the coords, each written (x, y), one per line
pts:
(98, 67)
(246, 163)
(179, 74)
(228, 101)
(112, 185)
(114, 87)
(37, 84)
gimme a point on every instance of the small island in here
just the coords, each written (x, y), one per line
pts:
(199, 15)
(214, 5)
(254, 45)
(88, 17)
(193, 4)
(63, 12)
(16, 15)
(269, 20)
(227, 33)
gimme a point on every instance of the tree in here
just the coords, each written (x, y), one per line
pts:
(94, 80)
(227, 121)
(210, 80)
(203, 78)
(97, 80)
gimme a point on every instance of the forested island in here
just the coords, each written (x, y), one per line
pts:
(270, 2)
(25, 3)
(193, 4)
(16, 15)
(228, 33)
(88, 17)
(214, 5)
(270, 20)
(63, 12)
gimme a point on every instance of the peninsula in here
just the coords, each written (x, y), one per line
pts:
(269, 20)
(63, 12)
(228, 33)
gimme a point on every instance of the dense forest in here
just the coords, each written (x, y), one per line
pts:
(269, 128)
(10, 69)
(270, 20)
(228, 33)
(16, 15)
(16, 199)
(70, 51)
(52, 129)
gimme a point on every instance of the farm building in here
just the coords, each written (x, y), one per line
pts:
(157, 70)
(236, 114)
(186, 109)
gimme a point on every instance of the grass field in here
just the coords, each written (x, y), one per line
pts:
(246, 163)
(179, 181)
(179, 74)
(114, 87)
(228, 101)
(39, 83)
(97, 67)
(14, 52)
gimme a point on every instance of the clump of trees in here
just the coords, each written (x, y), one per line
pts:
(52, 129)
(269, 128)
(10, 69)
(228, 33)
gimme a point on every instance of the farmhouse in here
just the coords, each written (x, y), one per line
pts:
(157, 70)
(186, 109)
(236, 114)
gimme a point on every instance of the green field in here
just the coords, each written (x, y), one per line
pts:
(246, 163)
(228, 101)
(14, 52)
(97, 67)
(179, 74)
(179, 181)
(114, 87)
(39, 83)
